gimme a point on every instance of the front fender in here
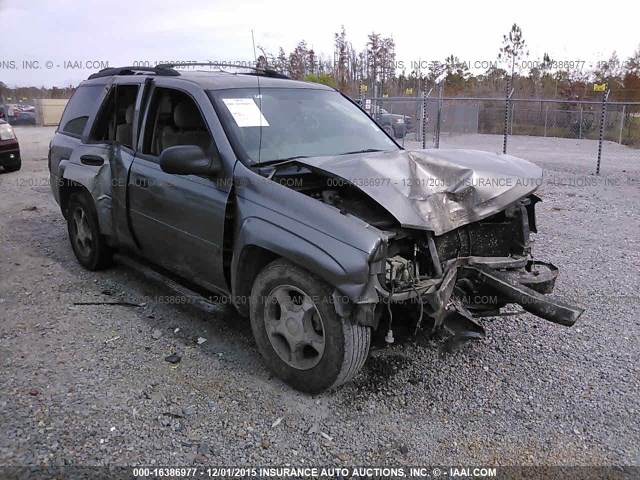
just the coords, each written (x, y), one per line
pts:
(339, 264)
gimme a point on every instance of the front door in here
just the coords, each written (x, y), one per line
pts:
(178, 220)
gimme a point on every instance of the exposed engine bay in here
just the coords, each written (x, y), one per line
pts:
(342, 195)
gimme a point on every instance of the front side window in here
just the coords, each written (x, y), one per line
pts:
(274, 124)
(174, 119)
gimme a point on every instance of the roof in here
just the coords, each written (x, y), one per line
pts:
(214, 80)
(207, 79)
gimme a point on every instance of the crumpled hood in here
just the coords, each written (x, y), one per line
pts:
(437, 190)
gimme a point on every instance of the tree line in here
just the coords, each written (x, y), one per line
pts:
(376, 66)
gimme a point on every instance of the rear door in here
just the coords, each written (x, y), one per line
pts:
(112, 138)
(178, 220)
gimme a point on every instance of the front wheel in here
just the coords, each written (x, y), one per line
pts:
(298, 332)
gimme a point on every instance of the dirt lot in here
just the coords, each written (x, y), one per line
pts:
(88, 384)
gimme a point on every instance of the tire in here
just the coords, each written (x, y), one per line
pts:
(284, 290)
(389, 130)
(88, 244)
(400, 132)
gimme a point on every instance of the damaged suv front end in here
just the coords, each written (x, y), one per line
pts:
(457, 234)
(454, 235)
(472, 271)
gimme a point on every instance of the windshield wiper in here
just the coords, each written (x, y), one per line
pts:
(278, 161)
(288, 159)
(368, 150)
(276, 164)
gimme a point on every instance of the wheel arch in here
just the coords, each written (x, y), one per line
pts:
(76, 178)
(261, 242)
(251, 261)
(68, 188)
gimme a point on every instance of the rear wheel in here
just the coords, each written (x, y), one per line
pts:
(298, 332)
(88, 244)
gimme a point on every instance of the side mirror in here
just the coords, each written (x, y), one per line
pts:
(189, 160)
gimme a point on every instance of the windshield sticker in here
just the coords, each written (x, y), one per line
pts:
(245, 112)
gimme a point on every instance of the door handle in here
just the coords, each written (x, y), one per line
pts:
(93, 160)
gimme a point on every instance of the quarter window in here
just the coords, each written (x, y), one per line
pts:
(82, 103)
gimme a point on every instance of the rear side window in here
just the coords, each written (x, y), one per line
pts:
(80, 107)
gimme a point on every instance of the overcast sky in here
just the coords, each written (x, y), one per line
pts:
(123, 32)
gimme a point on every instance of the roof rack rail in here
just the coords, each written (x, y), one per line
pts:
(133, 70)
(267, 72)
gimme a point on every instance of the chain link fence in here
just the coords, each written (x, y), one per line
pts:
(490, 123)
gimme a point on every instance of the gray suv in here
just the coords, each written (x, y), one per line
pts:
(287, 199)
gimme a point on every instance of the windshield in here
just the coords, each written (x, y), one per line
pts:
(282, 123)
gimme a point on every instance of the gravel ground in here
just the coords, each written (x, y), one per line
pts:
(88, 384)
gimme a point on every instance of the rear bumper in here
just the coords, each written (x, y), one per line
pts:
(55, 187)
(399, 129)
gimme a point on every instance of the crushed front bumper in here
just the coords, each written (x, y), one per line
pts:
(527, 289)
(507, 279)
